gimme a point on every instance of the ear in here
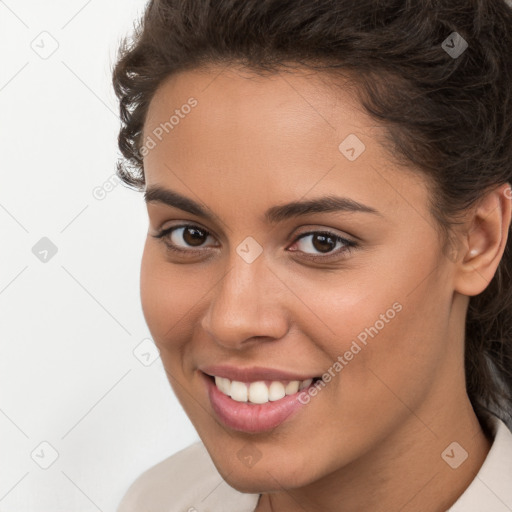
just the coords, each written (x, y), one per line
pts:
(484, 241)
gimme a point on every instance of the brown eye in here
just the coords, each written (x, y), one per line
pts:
(323, 247)
(184, 238)
(323, 243)
(193, 236)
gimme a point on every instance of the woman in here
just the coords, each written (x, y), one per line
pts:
(327, 272)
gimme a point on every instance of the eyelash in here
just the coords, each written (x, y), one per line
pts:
(349, 245)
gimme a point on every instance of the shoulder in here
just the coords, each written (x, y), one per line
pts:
(187, 481)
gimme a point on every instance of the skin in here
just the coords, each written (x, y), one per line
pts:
(372, 438)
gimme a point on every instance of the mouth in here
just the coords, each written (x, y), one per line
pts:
(256, 406)
(260, 391)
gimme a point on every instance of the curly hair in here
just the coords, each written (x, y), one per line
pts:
(449, 116)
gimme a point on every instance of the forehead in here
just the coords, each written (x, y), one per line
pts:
(267, 139)
(296, 104)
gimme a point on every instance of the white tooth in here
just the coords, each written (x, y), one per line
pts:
(292, 387)
(276, 391)
(238, 391)
(305, 383)
(225, 385)
(258, 392)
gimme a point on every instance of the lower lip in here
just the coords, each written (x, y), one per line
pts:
(249, 417)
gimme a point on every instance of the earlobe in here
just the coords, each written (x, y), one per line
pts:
(486, 239)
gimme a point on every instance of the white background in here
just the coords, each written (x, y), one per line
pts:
(69, 325)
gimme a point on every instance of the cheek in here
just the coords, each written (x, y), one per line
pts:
(382, 325)
(402, 348)
(167, 297)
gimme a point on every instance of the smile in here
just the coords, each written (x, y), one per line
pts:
(256, 406)
(259, 392)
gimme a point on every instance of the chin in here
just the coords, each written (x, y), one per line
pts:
(264, 478)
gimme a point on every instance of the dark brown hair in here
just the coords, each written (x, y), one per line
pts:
(447, 116)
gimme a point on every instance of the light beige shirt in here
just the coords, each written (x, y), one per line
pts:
(189, 482)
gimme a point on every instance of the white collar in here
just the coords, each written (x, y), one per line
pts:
(491, 489)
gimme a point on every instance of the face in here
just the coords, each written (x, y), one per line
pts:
(359, 297)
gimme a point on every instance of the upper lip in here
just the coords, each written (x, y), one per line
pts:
(252, 374)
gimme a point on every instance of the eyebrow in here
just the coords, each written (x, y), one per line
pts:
(275, 214)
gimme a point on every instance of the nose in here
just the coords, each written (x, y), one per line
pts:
(246, 305)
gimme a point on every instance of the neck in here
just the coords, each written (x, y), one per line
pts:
(412, 470)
